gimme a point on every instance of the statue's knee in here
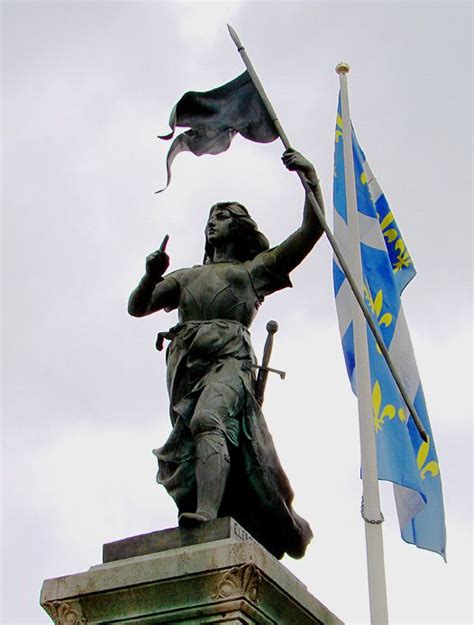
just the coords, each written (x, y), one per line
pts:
(205, 421)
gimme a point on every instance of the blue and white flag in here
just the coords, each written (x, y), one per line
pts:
(402, 457)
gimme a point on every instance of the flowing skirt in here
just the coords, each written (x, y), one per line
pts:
(214, 359)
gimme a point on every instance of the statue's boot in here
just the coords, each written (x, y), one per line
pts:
(212, 471)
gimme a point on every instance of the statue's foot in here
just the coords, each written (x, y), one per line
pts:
(192, 519)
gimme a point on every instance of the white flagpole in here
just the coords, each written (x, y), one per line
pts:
(371, 512)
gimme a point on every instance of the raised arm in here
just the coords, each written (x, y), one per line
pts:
(154, 292)
(297, 246)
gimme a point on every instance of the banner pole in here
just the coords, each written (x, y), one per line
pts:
(325, 226)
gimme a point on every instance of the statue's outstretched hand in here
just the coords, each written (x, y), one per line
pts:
(157, 262)
(294, 161)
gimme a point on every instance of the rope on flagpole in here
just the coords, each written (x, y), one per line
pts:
(342, 68)
(378, 521)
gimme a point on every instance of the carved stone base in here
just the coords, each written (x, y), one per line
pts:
(229, 580)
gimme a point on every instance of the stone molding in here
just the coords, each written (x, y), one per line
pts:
(224, 581)
(240, 580)
(66, 613)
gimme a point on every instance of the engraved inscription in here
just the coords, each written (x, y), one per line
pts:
(242, 534)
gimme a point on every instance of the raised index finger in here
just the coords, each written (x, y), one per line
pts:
(164, 243)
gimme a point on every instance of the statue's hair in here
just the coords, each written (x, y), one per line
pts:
(250, 241)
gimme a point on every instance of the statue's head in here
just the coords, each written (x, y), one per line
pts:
(232, 220)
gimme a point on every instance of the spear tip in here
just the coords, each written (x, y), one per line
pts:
(235, 37)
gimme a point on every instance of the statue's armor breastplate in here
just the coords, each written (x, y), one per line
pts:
(218, 291)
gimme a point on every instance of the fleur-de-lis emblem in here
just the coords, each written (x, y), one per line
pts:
(381, 412)
(402, 415)
(431, 467)
(391, 235)
(403, 257)
(338, 128)
(375, 304)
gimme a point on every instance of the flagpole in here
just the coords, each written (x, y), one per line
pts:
(325, 226)
(371, 502)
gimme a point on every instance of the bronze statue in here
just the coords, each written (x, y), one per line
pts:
(219, 459)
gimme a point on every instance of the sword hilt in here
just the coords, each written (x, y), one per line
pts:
(264, 369)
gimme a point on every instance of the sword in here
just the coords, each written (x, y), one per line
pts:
(264, 369)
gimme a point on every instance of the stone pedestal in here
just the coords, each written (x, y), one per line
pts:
(215, 573)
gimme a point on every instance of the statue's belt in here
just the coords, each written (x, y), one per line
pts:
(174, 331)
(263, 369)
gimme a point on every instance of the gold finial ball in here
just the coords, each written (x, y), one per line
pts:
(343, 68)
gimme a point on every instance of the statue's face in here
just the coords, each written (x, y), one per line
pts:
(220, 226)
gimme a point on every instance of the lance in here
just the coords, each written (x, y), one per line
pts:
(325, 226)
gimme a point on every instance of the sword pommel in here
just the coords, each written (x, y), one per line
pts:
(272, 327)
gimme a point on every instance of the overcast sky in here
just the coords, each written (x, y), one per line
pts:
(86, 87)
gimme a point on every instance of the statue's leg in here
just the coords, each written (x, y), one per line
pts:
(217, 402)
(212, 471)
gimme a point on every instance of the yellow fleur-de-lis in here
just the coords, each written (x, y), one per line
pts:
(338, 126)
(380, 412)
(403, 258)
(375, 305)
(431, 467)
(402, 415)
(388, 410)
(389, 233)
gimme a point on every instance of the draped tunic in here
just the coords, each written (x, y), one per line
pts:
(210, 360)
